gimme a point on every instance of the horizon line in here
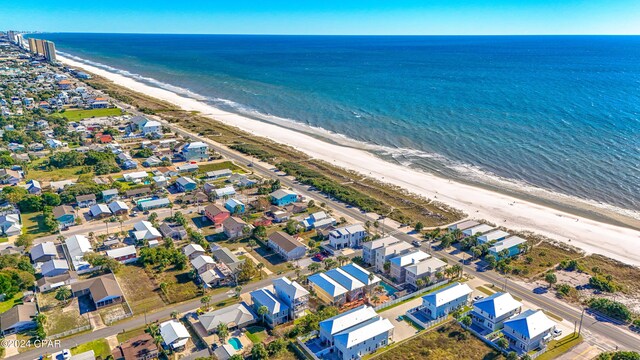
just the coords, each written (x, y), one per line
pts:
(336, 35)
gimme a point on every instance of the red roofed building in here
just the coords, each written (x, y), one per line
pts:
(217, 214)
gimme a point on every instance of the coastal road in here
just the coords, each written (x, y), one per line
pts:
(622, 337)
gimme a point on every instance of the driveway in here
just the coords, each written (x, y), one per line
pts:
(403, 329)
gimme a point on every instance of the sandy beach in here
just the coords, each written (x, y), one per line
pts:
(617, 242)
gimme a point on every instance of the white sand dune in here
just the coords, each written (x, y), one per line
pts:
(592, 236)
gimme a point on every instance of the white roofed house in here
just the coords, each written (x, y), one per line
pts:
(348, 236)
(491, 312)
(174, 334)
(10, 224)
(235, 316)
(293, 294)
(476, 230)
(193, 250)
(463, 225)
(43, 252)
(355, 333)
(54, 267)
(508, 247)
(118, 207)
(386, 253)
(99, 211)
(144, 230)
(277, 311)
(124, 255)
(528, 331)
(492, 236)
(77, 246)
(195, 151)
(444, 301)
(369, 248)
(424, 270)
(398, 263)
(203, 263)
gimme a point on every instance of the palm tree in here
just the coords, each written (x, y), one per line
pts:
(174, 314)
(457, 269)
(419, 283)
(387, 266)
(375, 299)
(342, 259)
(238, 290)
(63, 293)
(260, 266)
(262, 311)
(252, 244)
(205, 300)
(106, 222)
(163, 287)
(379, 289)
(223, 332)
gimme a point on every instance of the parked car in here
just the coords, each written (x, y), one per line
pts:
(478, 298)
(557, 332)
(319, 257)
(415, 243)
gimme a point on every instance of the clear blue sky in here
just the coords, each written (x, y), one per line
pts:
(326, 16)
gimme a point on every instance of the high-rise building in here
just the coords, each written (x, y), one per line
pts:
(40, 47)
(49, 51)
(32, 45)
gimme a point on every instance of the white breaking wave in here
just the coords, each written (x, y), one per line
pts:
(400, 155)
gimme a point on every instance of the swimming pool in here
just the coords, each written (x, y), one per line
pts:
(235, 342)
(388, 288)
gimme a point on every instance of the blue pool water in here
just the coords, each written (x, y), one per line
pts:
(388, 288)
(235, 342)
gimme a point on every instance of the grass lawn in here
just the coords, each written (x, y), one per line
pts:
(33, 224)
(623, 274)
(124, 336)
(541, 258)
(448, 342)
(65, 319)
(559, 347)
(141, 292)
(9, 303)
(79, 114)
(4, 239)
(204, 168)
(180, 286)
(484, 290)
(256, 334)
(100, 348)
(54, 175)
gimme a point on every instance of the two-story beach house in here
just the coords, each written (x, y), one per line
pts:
(491, 312)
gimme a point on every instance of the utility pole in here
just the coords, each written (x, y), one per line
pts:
(581, 318)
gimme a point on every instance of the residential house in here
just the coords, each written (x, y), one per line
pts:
(327, 289)
(218, 174)
(144, 230)
(355, 288)
(160, 181)
(110, 195)
(528, 331)
(277, 311)
(64, 215)
(99, 211)
(425, 270)
(103, 290)
(286, 246)
(187, 168)
(225, 256)
(43, 252)
(347, 236)
(369, 248)
(493, 236)
(385, 254)
(10, 224)
(491, 312)
(141, 347)
(185, 184)
(282, 197)
(398, 263)
(293, 295)
(54, 267)
(195, 151)
(217, 214)
(33, 187)
(124, 255)
(444, 301)
(172, 231)
(233, 227)
(135, 176)
(118, 207)
(76, 247)
(355, 333)
(147, 205)
(18, 319)
(464, 225)
(221, 192)
(85, 201)
(193, 250)
(235, 316)
(512, 246)
(203, 263)
(367, 278)
(10, 177)
(174, 334)
(477, 230)
(234, 206)
(133, 193)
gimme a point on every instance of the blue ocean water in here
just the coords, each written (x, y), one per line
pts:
(560, 113)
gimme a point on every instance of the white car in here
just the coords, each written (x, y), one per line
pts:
(66, 354)
(556, 332)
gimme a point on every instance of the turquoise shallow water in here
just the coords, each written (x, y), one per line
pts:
(559, 113)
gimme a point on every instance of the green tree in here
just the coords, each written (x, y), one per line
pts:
(466, 321)
(419, 226)
(258, 352)
(223, 332)
(63, 293)
(503, 343)
(262, 311)
(551, 278)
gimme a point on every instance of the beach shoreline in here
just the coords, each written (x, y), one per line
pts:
(590, 235)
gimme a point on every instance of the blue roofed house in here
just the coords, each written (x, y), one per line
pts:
(355, 288)
(185, 184)
(508, 247)
(282, 197)
(64, 215)
(327, 289)
(277, 311)
(33, 187)
(491, 312)
(444, 301)
(234, 206)
(367, 278)
(195, 151)
(293, 294)
(528, 331)
(355, 333)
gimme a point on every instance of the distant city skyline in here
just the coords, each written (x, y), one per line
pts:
(331, 17)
